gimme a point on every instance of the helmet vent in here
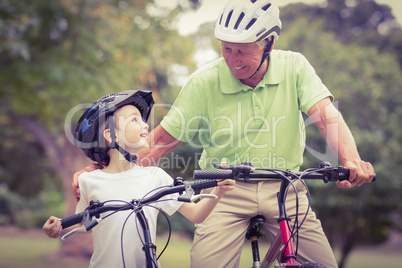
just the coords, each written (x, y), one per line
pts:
(228, 18)
(239, 20)
(248, 21)
(266, 7)
(251, 23)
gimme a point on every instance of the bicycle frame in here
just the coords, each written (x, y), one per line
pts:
(96, 208)
(281, 248)
(283, 240)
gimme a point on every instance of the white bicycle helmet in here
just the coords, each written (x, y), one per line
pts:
(248, 21)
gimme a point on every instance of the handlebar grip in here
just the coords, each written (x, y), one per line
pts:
(344, 175)
(203, 184)
(212, 174)
(72, 220)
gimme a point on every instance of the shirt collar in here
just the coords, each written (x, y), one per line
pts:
(230, 84)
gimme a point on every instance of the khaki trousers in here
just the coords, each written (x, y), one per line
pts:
(218, 241)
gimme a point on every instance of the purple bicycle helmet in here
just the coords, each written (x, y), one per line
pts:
(86, 131)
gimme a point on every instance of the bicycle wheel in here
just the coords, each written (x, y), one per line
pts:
(312, 265)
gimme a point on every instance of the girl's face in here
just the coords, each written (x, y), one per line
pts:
(131, 131)
(242, 59)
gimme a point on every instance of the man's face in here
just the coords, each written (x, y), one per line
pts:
(242, 59)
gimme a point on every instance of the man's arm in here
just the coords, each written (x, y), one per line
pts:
(341, 142)
(75, 185)
(160, 143)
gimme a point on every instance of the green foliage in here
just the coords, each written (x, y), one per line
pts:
(24, 212)
(366, 85)
(83, 50)
(359, 22)
(55, 55)
(20, 149)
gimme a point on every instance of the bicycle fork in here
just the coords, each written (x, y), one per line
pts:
(288, 256)
(281, 249)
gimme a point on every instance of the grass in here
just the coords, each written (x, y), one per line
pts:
(31, 252)
(364, 257)
(18, 251)
(181, 251)
(376, 256)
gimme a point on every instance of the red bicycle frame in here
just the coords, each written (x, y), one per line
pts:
(282, 246)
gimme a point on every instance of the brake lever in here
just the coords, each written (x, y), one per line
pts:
(201, 196)
(72, 232)
(85, 227)
(193, 198)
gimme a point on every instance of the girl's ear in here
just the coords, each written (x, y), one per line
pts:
(107, 136)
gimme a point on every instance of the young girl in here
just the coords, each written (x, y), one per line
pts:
(112, 131)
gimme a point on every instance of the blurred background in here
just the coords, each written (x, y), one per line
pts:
(57, 54)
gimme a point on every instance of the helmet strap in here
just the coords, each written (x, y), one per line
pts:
(114, 145)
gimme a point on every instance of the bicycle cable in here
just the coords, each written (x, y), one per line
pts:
(168, 222)
(135, 210)
(294, 231)
(300, 179)
(122, 236)
(117, 210)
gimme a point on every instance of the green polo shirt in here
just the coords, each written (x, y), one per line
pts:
(263, 126)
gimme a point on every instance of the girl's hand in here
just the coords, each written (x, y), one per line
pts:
(52, 227)
(226, 185)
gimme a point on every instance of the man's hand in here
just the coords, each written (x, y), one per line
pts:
(360, 172)
(75, 185)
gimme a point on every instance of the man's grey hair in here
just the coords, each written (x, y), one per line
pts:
(263, 43)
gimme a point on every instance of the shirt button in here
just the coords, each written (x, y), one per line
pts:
(254, 94)
(256, 107)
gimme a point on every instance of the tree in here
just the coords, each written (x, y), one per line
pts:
(366, 92)
(361, 22)
(55, 55)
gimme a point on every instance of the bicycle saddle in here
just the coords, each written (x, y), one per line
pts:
(255, 226)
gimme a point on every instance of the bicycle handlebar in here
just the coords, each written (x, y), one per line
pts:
(245, 172)
(206, 179)
(96, 209)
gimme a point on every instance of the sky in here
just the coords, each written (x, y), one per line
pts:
(210, 9)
